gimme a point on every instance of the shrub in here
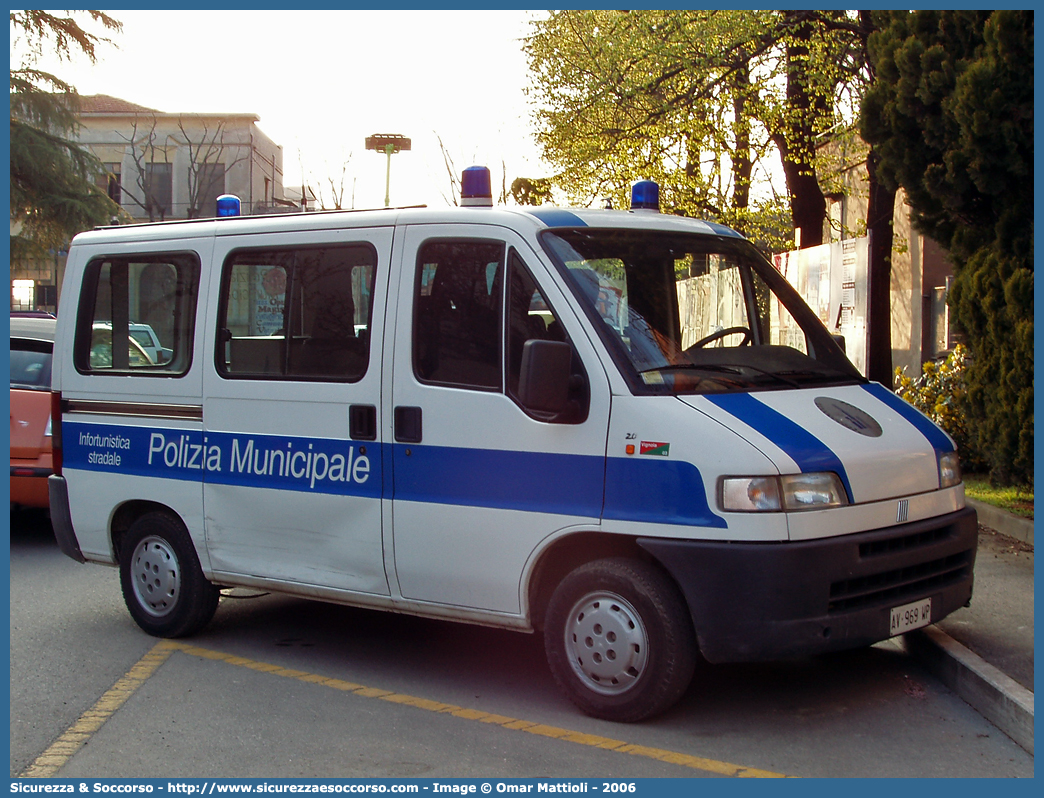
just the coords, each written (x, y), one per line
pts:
(939, 392)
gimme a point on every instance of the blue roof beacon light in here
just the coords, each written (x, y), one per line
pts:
(475, 191)
(227, 205)
(645, 196)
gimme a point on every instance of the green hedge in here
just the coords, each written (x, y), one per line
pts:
(940, 392)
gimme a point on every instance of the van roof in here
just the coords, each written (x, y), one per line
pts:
(533, 217)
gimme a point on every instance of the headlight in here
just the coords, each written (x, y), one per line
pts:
(813, 491)
(790, 492)
(750, 494)
(949, 470)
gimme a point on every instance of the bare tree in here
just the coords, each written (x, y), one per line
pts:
(337, 187)
(454, 178)
(151, 187)
(146, 190)
(504, 194)
(451, 171)
(331, 187)
(207, 164)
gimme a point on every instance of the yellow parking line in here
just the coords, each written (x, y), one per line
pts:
(48, 763)
(61, 750)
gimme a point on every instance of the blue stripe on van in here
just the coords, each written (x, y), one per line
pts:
(119, 449)
(810, 453)
(722, 230)
(936, 437)
(651, 490)
(658, 491)
(556, 217)
(528, 481)
(278, 462)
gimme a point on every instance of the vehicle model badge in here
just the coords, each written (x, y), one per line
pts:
(849, 416)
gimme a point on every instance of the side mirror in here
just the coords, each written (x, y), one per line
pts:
(839, 340)
(543, 383)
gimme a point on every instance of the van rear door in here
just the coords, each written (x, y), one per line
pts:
(131, 423)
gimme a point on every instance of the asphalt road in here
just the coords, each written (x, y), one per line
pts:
(282, 687)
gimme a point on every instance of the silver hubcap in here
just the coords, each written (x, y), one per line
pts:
(155, 575)
(606, 643)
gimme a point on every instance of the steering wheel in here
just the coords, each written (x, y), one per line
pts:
(717, 336)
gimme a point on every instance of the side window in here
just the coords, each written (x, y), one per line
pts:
(138, 315)
(300, 314)
(457, 310)
(530, 317)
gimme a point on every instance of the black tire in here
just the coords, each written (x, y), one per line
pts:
(163, 585)
(619, 639)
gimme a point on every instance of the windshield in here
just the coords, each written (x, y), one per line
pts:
(689, 313)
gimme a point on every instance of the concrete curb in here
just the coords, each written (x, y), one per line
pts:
(997, 697)
(1003, 522)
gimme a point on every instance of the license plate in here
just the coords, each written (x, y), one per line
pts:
(911, 616)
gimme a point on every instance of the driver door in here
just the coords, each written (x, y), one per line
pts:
(478, 481)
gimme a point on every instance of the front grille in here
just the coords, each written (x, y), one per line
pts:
(904, 542)
(892, 587)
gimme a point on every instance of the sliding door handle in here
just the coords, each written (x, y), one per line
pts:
(408, 424)
(362, 422)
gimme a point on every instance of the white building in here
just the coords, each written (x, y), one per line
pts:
(174, 165)
(161, 166)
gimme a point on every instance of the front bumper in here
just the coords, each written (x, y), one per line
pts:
(764, 601)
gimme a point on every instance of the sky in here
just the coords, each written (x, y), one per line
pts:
(322, 81)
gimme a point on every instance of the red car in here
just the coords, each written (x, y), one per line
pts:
(32, 340)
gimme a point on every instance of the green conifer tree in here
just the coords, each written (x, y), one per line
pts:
(53, 195)
(951, 117)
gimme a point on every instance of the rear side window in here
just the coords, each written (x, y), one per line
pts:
(137, 315)
(297, 313)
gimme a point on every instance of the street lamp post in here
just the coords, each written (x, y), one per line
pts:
(389, 144)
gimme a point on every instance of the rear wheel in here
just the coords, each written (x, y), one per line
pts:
(163, 584)
(619, 639)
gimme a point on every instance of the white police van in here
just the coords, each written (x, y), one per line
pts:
(621, 428)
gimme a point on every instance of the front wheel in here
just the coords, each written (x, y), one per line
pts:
(163, 584)
(619, 639)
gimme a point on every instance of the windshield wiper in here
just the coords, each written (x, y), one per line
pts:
(724, 368)
(774, 375)
(691, 366)
(808, 375)
(736, 378)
